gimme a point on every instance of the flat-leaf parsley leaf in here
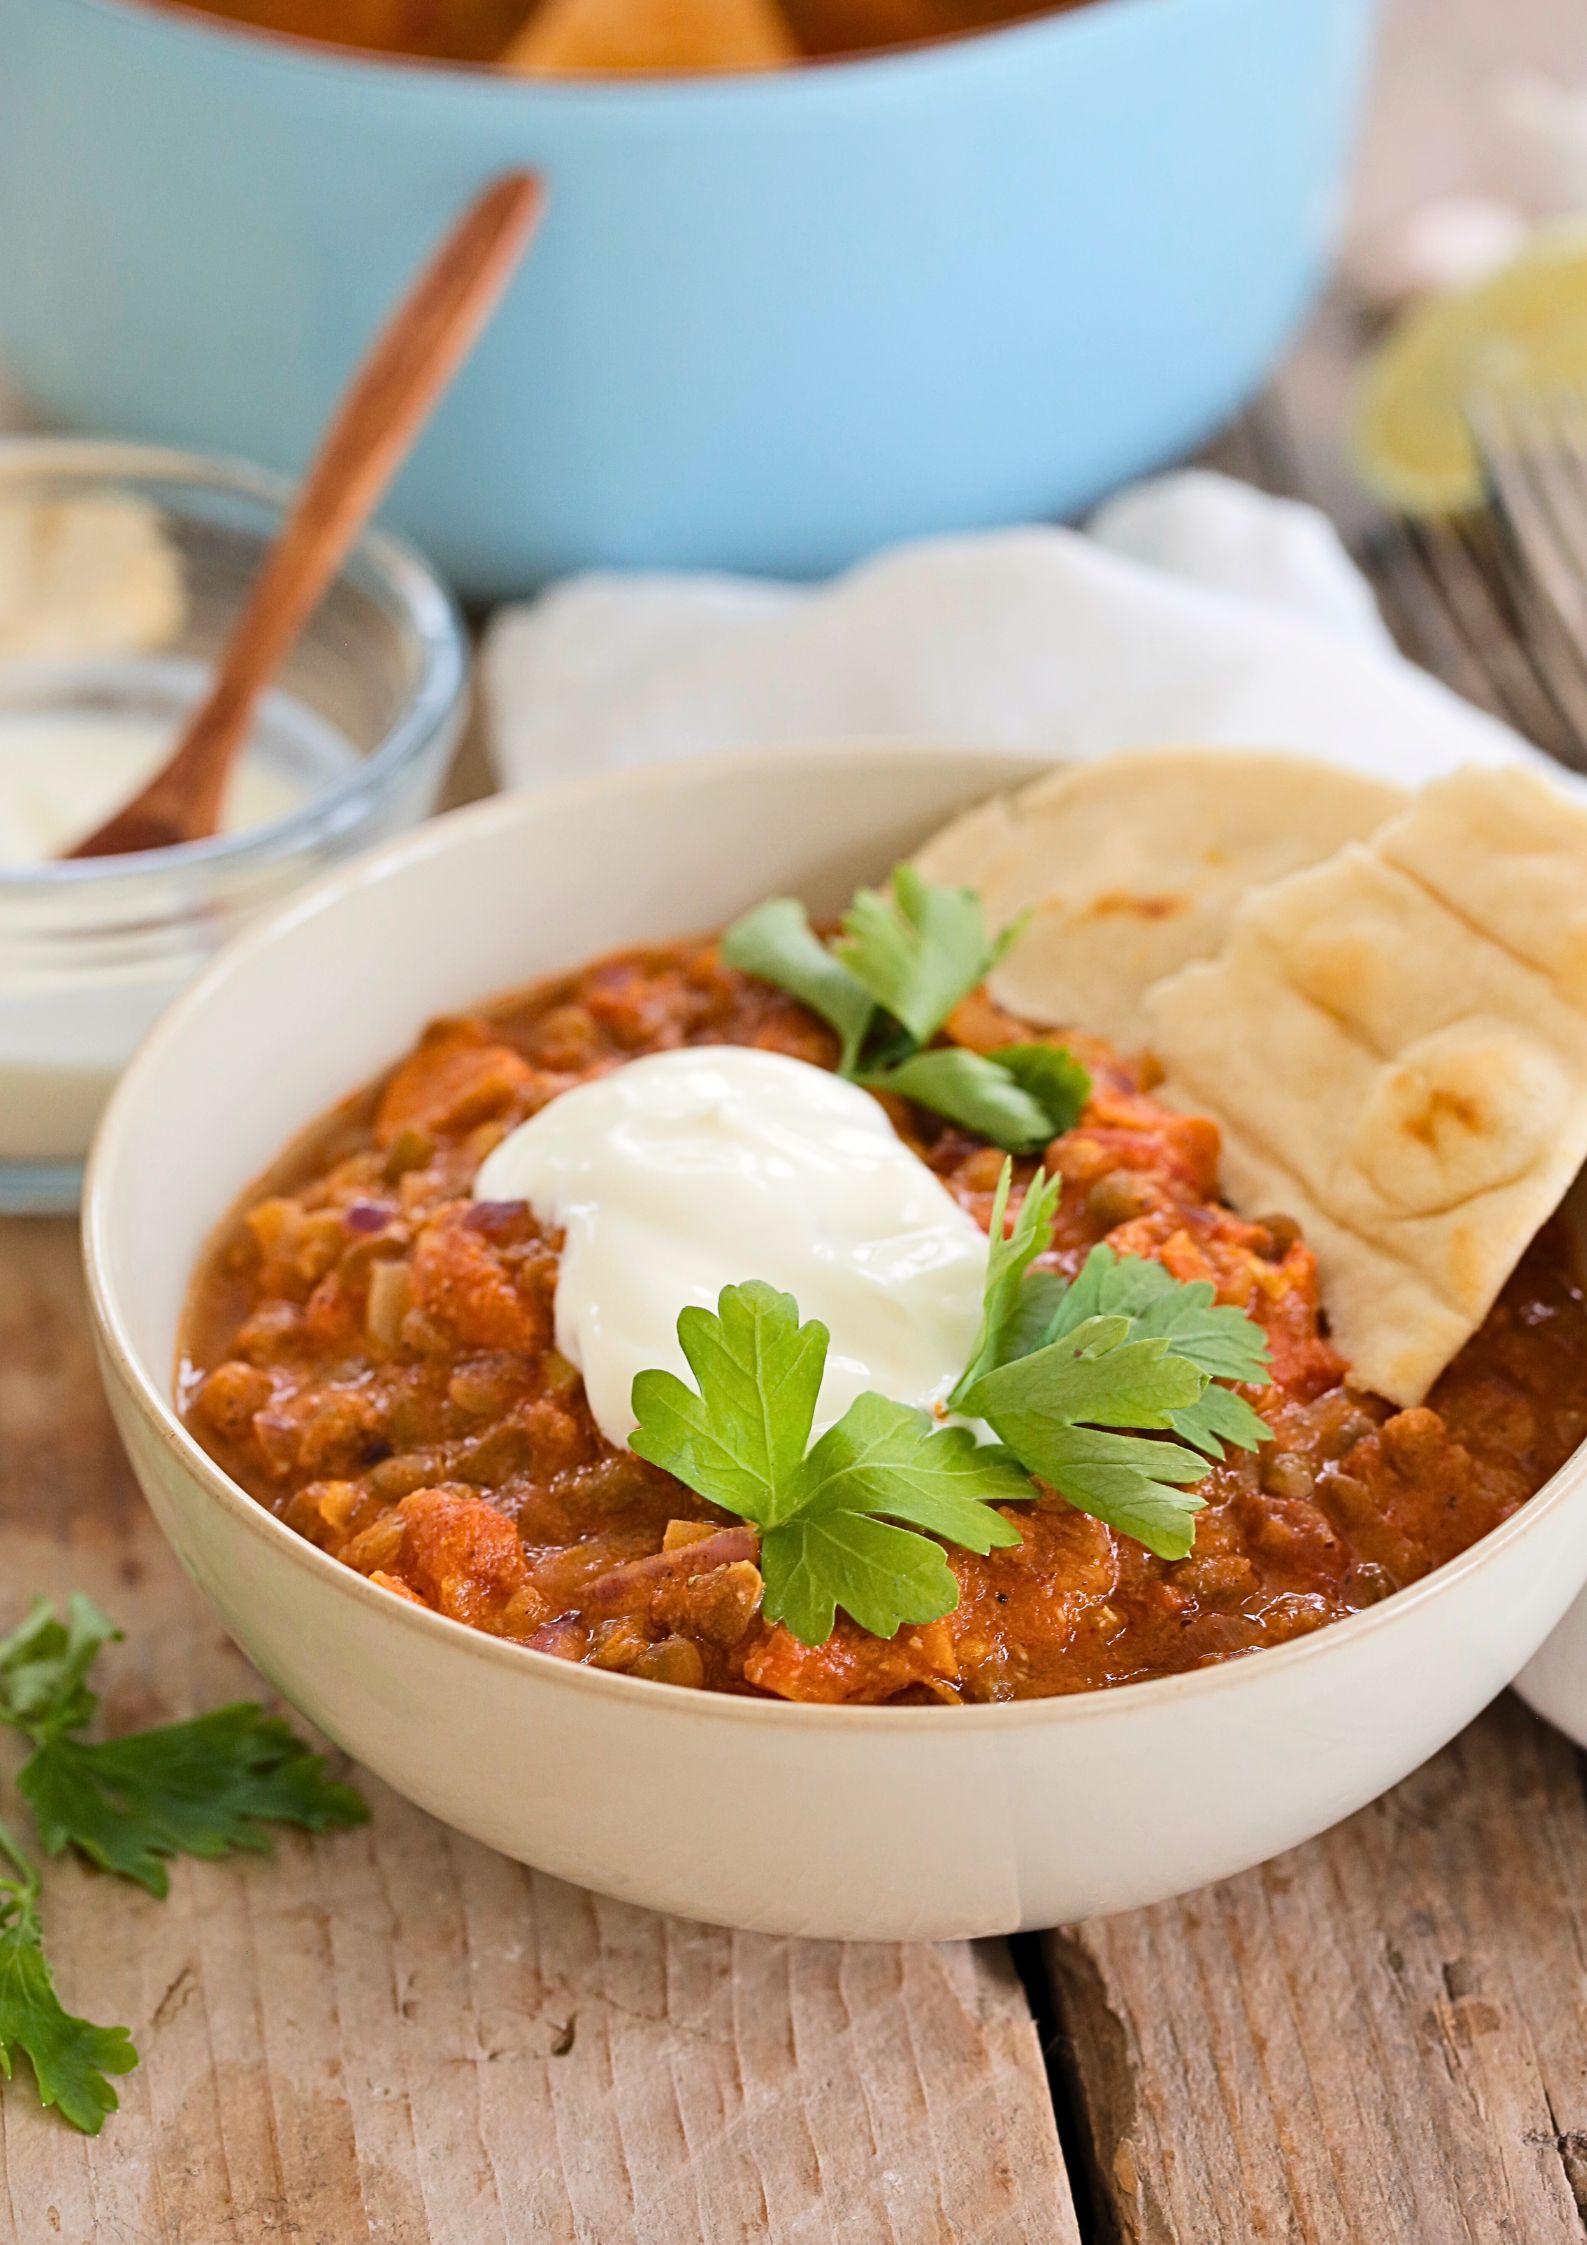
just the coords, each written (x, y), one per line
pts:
(776, 943)
(71, 2057)
(906, 956)
(1223, 1342)
(970, 1090)
(918, 949)
(201, 1788)
(1012, 1324)
(204, 1788)
(1075, 1377)
(44, 1666)
(839, 1522)
(1052, 1076)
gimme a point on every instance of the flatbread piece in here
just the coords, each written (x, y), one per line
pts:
(1394, 1044)
(1132, 865)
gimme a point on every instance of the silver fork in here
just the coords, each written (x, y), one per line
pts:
(1453, 597)
(1533, 448)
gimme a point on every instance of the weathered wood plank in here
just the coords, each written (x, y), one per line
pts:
(1381, 2036)
(397, 2036)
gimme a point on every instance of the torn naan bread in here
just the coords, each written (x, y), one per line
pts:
(1395, 1047)
(1131, 866)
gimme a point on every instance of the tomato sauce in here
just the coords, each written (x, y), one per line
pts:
(370, 1353)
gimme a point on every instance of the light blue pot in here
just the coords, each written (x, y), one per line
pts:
(770, 322)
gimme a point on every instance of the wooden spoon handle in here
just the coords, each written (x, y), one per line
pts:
(410, 365)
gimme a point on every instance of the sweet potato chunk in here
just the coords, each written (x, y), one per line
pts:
(459, 1075)
(850, 1665)
(461, 1282)
(463, 1557)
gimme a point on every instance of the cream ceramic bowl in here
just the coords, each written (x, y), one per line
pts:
(847, 1822)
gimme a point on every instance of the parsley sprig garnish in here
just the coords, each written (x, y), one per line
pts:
(904, 958)
(832, 1516)
(1106, 1388)
(1074, 1376)
(204, 1788)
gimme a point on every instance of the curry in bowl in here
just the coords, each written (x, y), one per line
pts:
(555, 37)
(531, 1331)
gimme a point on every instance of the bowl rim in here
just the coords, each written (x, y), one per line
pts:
(434, 704)
(617, 88)
(454, 830)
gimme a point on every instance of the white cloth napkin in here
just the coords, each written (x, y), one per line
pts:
(1195, 609)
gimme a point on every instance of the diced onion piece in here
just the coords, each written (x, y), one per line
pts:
(390, 1289)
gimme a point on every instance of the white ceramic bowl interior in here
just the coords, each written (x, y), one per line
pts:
(848, 1822)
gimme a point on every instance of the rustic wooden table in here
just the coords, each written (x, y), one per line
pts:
(397, 2036)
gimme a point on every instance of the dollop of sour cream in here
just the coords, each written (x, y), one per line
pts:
(688, 1171)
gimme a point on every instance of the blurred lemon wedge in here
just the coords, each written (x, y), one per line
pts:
(1525, 324)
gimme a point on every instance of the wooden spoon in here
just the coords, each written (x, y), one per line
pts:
(404, 374)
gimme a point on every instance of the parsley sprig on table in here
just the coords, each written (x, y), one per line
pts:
(904, 958)
(204, 1788)
(1105, 1387)
(71, 2058)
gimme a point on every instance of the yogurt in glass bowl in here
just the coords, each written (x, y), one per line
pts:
(121, 569)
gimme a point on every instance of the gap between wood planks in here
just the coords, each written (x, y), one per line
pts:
(1379, 2037)
(1028, 1953)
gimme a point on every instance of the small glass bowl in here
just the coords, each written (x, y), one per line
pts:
(365, 715)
